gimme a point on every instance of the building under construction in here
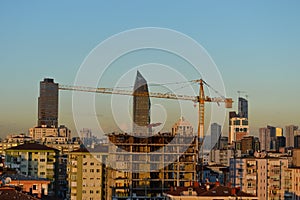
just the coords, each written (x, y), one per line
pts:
(145, 167)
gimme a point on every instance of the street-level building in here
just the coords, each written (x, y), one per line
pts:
(36, 160)
(88, 174)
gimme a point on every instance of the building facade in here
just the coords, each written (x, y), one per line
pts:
(36, 160)
(141, 107)
(289, 134)
(265, 177)
(147, 167)
(88, 174)
(238, 128)
(182, 127)
(48, 103)
(243, 107)
(215, 132)
(45, 134)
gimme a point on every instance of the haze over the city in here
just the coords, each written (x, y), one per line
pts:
(254, 44)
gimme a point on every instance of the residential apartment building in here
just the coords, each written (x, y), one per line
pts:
(46, 134)
(64, 150)
(223, 156)
(266, 177)
(87, 174)
(12, 141)
(33, 186)
(36, 160)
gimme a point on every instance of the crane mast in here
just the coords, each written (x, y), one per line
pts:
(201, 99)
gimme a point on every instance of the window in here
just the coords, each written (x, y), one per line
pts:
(237, 122)
(244, 122)
(98, 170)
(92, 170)
(91, 191)
(92, 163)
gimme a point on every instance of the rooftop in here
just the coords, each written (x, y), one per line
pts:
(209, 190)
(98, 148)
(8, 193)
(32, 146)
(21, 177)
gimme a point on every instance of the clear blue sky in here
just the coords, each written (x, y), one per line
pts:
(255, 44)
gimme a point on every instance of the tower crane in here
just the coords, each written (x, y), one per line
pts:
(201, 100)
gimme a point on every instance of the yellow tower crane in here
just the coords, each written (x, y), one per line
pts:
(201, 99)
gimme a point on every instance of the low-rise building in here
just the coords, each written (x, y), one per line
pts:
(33, 186)
(50, 134)
(207, 192)
(13, 140)
(9, 193)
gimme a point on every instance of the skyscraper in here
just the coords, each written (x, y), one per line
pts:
(243, 107)
(48, 103)
(215, 132)
(238, 128)
(289, 133)
(141, 106)
(270, 137)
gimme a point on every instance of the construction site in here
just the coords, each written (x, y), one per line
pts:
(144, 165)
(147, 167)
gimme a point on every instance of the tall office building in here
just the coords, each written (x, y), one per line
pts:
(243, 107)
(271, 138)
(48, 103)
(215, 132)
(141, 106)
(238, 128)
(289, 134)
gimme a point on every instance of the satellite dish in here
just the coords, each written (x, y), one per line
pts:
(7, 180)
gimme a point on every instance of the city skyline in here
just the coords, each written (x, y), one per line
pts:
(254, 47)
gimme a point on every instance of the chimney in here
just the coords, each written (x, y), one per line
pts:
(229, 184)
(171, 188)
(233, 191)
(196, 184)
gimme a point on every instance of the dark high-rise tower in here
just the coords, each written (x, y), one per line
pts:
(48, 103)
(243, 107)
(141, 106)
